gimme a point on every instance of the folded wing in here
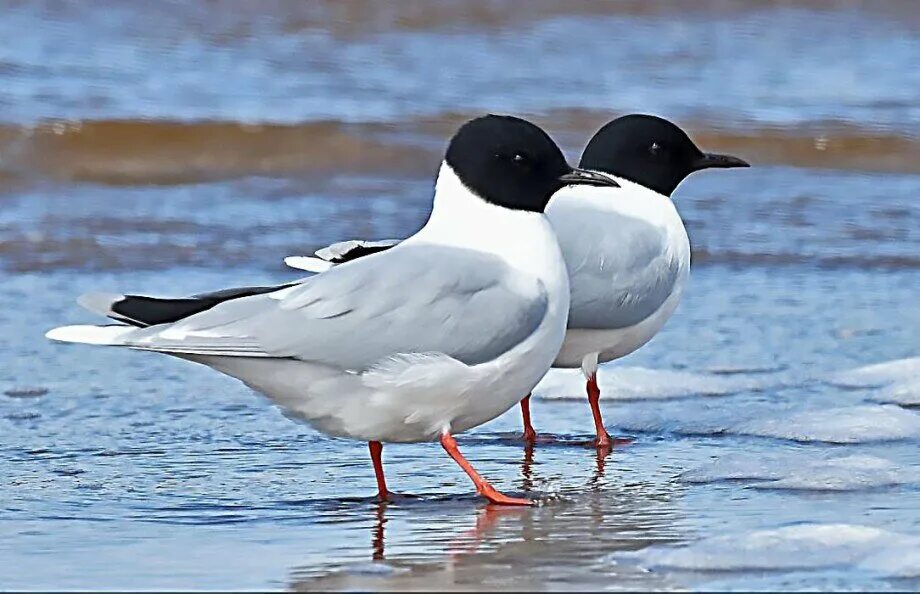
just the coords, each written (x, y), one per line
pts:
(143, 311)
(621, 271)
(416, 299)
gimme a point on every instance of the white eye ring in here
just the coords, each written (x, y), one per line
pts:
(654, 148)
(518, 157)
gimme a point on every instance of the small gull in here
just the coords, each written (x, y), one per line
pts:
(626, 247)
(435, 336)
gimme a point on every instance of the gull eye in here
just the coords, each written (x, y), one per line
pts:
(518, 160)
(654, 148)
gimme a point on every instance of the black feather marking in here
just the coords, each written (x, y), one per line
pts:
(143, 311)
(359, 251)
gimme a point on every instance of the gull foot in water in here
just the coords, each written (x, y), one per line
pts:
(603, 441)
(498, 498)
(391, 497)
(533, 439)
(608, 443)
(529, 436)
(483, 487)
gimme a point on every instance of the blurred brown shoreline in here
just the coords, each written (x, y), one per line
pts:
(127, 152)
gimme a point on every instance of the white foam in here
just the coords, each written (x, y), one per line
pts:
(905, 393)
(877, 375)
(700, 418)
(902, 561)
(798, 471)
(738, 466)
(850, 424)
(737, 369)
(639, 383)
(803, 546)
(844, 425)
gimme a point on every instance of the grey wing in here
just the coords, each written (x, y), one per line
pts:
(620, 269)
(415, 299)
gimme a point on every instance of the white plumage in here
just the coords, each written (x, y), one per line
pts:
(626, 248)
(628, 258)
(340, 350)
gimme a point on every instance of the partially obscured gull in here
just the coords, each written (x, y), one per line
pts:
(626, 248)
(435, 336)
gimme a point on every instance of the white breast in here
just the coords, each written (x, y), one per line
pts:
(628, 257)
(414, 396)
(524, 240)
(527, 242)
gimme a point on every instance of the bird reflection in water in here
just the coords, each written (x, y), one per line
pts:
(441, 543)
(527, 468)
(602, 453)
(378, 531)
(488, 516)
(468, 542)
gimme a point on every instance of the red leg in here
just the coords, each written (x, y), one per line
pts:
(376, 449)
(594, 396)
(482, 485)
(530, 436)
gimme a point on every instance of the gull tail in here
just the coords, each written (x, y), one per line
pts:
(104, 305)
(113, 335)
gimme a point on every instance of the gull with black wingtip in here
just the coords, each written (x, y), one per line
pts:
(432, 337)
(626, 248)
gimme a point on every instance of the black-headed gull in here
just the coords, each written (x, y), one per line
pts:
(438, 335)
(626, 247)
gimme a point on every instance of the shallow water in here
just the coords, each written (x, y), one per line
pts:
(182, 147)
(138, 469)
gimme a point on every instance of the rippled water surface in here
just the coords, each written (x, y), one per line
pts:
(177, 147)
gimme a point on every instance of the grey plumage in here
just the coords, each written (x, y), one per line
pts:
(620, 273)
(425, 299)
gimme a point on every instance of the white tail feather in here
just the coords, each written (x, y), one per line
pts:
(100, 303)
(307, 263)
(103, 335)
